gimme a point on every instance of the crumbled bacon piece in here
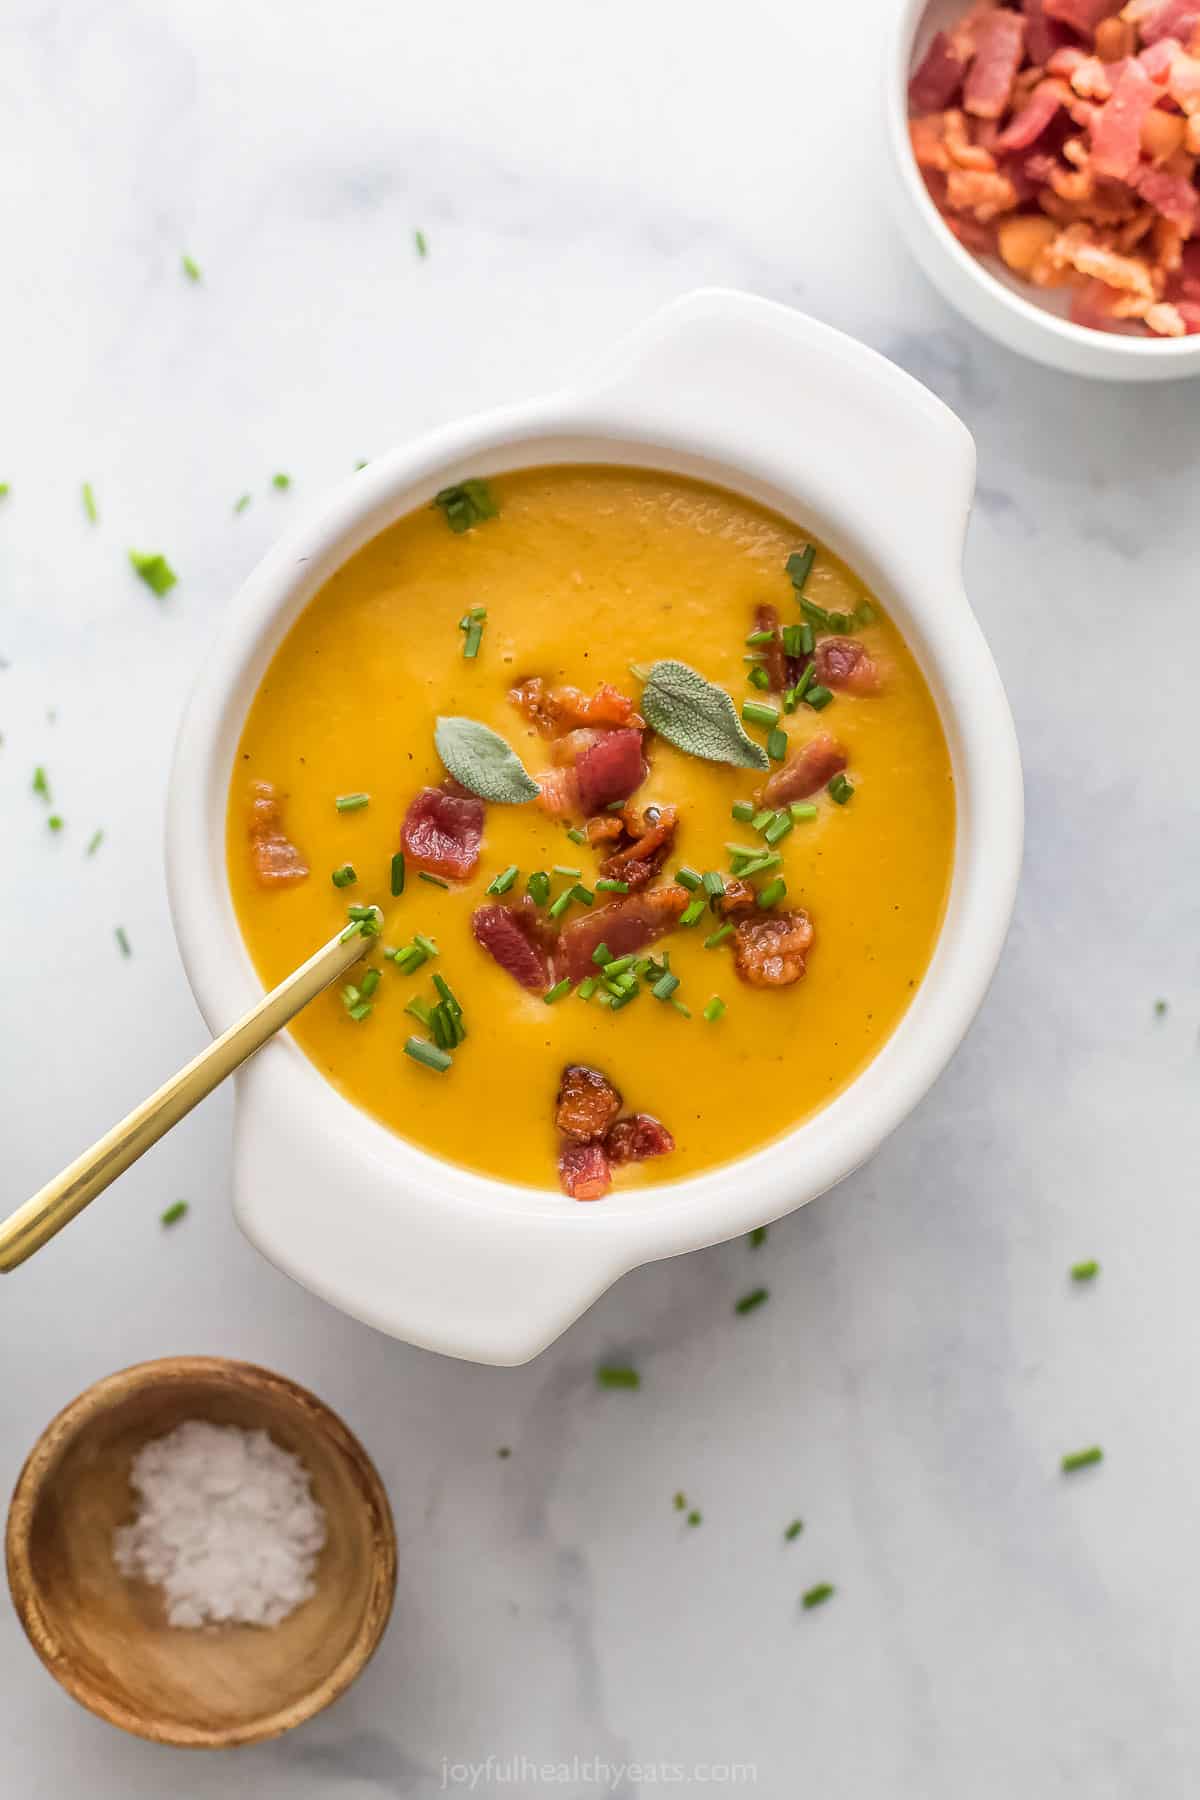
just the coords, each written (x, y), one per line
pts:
(276, 860)
(584, 1172)
(1082, 16)
(1117, 132)
(766, 618)
(739, 897)
(1168, 19)
(1044, 105)
(558, 792)
(442, 832)
(805, 770)
(626, 926)
(999, 45)
(645, 847)
(515, 935)
(637, 1138)
(844, 663)
(772, 951)
(554, 710)
(586, 1105)
(939, 77)
(610, 770)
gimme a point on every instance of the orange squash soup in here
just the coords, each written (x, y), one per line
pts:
(639, 804)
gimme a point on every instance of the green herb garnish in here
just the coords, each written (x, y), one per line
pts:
(758, 677)
(1085, 1271)
(239, 506)
(538, 887)
(422, 1051)
(40, 784)
(799, 565)
(346, 876)
(1081, 1459)
(281, 482)
(154, 570)
(173, 1213)
(694, 1517)
(421, 242)
(760, 712)
(719, 936)
(714, 1010)
(397, 875)
(479, 758)
(466, 504)
(190, 267)
(801, 810)
(558, 991)
(352, 802)
(94, 843)
(123, 944)
(772, 893)
(757, 1237)
(472, 623)
(693, 912)
(433, 880)
(817, 1596)
(743, 811)
(840, 789)
(614, 1375)
(818, 698)
(697, 717)
(777, 744)
(793, 1531)
(779, 827)
(1160, 1009)
(607, 886)
(749, 1302)
(501, 883)
(89, 502)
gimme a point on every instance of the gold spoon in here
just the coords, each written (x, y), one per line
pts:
(35, 1223)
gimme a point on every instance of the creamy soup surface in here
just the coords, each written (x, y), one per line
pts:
(589, 576)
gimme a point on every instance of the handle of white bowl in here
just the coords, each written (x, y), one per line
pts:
(893, 476)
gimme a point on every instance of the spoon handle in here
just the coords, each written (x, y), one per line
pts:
(35, 1223)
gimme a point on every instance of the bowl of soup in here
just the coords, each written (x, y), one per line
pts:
(645, 738)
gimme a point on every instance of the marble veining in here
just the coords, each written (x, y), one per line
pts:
(923, 1360)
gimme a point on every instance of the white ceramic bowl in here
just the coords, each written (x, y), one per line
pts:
(800, 418)
(1030, 320)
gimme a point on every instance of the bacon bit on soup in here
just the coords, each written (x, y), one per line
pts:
(610, 769)
(644, 847)
(738, 897)
(772, 952)
(443, 831)
(516, 937)
(766, 618)
(637, 1138)
(276, 860)
(1076, 163)
(586, 1105)
(554, 710)
(584, 1171)
(844, 663)
(626, 926)
(558, 793)
(806, 771)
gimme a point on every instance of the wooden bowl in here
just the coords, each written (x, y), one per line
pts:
(106, 1639)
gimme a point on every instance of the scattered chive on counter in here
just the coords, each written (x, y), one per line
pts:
(793, 1531)
(421, 243)
(750, 1302)
(817, 1596)
(694, 1517)
(758, 1237)
(94, 843)
(240, 505)
(55, 822)
(680, 1502)
(154, 570)
(174, 1213)
(89, 503)
(5, 489)
(281, 482)
(1085, 1271)
(1081, 1459)
(190, 267)
(41, 784)
(1160, 1009)
(616, 1375)
(123, 944)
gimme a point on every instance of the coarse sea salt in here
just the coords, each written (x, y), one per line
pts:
(226, 1525)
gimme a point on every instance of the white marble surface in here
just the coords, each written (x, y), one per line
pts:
(923, 1360)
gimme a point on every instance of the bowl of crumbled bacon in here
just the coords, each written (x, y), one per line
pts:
(1048, 154)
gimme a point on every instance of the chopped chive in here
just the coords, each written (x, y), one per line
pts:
(743, 811)
(123, 944)
(749, 1302)
(799, 565)
(719, 937)
(761, 637)
(369, 983)
(694, 1517)
(588, 986)
(466, 504)
(800, 691)
(816, 615)
(346, 876)
(681, 1008)
(777, 744)
(779, 827)
(421, 243)
(5, 489)
(584, 895)
(758, 677)
(352, 802)
(840, 789)
(397, 875)
(842, 623)
(503, 881)
(94, 843)
(425, 945)
(759, 712)
(190, 267)
(808, 642)
(562, 869)
(618, 965)
(433, 880)
(605, 886)
(640, 672)
(818, 698)
(602, 955)
(422, 1051)
(1081, 1459)
(616, 806)
(773, 892)
(1085, 1271)
(89, 503)
(680, 1503)
(558, 907)
(793, 1531)
(359, 912)
(281, 482)
(714, 883)
(173, 1213)
(866, 614)
(41, 784)
(665, 986)
(558, 991)
(793, 640)
(240, 505)
(1160, 1009)
(55, 822)
(472, 641)
(613, 1375)
(689, 878)
(757, 1237)
(762, 819)
(801, 810)
(447, 994)
(817, 1596)
(576, 836)
(154, 570)
(538, 887)
(359, 1011)
(693, 913)
(715, 1009)
(419, 1010)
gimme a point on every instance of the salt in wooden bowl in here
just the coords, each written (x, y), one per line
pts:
(106, 1639)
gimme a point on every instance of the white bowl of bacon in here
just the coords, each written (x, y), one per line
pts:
(1046, 154)
(712, 387)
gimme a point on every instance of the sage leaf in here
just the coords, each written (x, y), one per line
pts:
(697, 717)
(483, 762)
